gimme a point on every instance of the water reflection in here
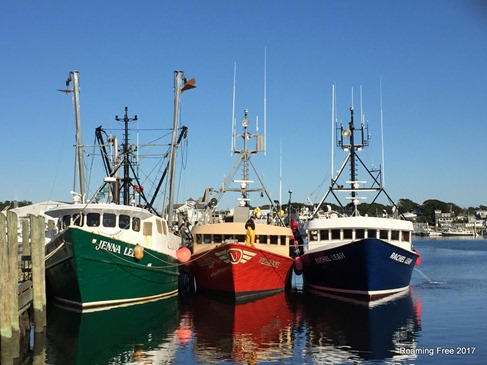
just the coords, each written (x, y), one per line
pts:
(340, 330)
(241, 332)
(116, 336)
(288, 328)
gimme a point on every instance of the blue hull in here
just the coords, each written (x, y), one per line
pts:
(367, 268)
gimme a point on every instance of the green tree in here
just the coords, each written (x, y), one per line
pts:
(407, 205)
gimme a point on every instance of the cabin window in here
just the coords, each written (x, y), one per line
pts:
(198, 238)
(159, 226)
(147, 228)
(66, 221)
(313, 235)
(273, 240)
(93, 219)
(109, 220)
(241, 238)
(324, 235)
(384, 235)
(372, 233)
(283, 240)
(405, 236)
(164, 227)
(359, 233)
(335, 234)
(78, 219)
(136, 224)
(348, 234)
(395, 235)
(207, 238)
(229, 238)
(217, 238)
(263, 239)
(147, 233)
(123, 221)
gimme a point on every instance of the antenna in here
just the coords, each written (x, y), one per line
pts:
(382, 137)
(361, 110)
(233, 108)
(352, 98)
(280, 172)
(332, 129)
(265, 100)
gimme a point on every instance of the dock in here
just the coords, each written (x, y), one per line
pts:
(22, 284)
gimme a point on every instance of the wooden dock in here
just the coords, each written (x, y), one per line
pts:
(22, 284)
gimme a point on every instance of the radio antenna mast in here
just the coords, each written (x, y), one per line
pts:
(233, 109)
(265, 100)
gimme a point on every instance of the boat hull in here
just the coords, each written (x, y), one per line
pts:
(369, 268)
(88, 270)
(241, 271)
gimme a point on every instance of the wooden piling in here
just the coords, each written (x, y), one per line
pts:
(13, 267)
(37, 228)
(5, 329)
(16, 292)
(25, 238)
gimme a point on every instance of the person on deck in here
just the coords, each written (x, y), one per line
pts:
(250, 236)
(298, 239)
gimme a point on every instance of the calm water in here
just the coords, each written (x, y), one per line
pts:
(442, 320)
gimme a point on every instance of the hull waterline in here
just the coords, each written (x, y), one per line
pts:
(87, 270)
(368, 268)
(240, 271)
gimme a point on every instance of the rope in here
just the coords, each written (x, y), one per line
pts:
(142, 265)
(48, 256)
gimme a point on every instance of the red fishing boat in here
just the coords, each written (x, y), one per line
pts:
(225, 258)
(223, 263)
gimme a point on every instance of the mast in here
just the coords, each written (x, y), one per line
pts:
(265, 100)
(126, 182)
(79, 160)
(353, 172)
(180, 85)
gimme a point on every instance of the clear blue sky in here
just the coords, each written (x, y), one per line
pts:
(430, 55)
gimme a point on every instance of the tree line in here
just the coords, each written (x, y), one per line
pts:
(425, 212)
(7, 204)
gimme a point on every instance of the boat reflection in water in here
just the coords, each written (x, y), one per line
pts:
(241, 332)
(286, 328)
(146, 332)
(342, 330)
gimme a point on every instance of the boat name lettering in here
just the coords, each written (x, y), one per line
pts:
(400, 258)
(113, 247)
(268, 262)
(332, 257)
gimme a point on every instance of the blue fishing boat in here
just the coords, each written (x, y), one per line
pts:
(350, 253)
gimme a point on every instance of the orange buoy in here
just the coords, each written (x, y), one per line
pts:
(183, 254)
(418, 260)
(138, 251)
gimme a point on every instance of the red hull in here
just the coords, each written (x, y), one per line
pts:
(241, 271)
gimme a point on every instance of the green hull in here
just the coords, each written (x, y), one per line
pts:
(88, 270)
(134, 334)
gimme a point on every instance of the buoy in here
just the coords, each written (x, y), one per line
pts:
(418, 260)
(138, 251)
(298, 266)
(183, 254)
